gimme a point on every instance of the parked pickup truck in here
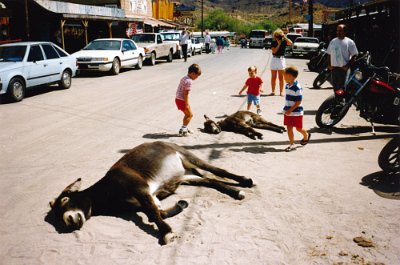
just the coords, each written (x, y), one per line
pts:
(155, 47)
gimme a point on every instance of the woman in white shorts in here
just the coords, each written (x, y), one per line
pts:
(278, 46)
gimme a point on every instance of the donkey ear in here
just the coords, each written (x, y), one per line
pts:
(75, 186)
(206, 117)
(51, 203)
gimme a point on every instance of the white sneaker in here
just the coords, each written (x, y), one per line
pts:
(183, 131)
(259, 112)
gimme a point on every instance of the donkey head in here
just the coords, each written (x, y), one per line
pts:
(211, 126)
(71, 208)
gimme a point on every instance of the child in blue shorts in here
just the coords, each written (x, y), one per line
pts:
(254, 85)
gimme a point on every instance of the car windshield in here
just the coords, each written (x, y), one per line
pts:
(111, 45)
(257, 34)
(12, 53)
(306, 40)
(143, 38)
(171, 36)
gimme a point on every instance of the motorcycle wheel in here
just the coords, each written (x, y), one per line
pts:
(328, 113)
(389, 157)
(320, 79)
(312, 64)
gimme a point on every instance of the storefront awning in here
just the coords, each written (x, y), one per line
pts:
(157, 23)
(71, 10)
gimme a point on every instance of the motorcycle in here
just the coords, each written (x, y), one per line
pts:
(319, 62)
(374, 91)
(322, 77)
(389, 157)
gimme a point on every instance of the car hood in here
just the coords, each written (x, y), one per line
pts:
(7, 66)
(94, 53)
(308, 45)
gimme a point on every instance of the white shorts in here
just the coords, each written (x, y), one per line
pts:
(278, 63)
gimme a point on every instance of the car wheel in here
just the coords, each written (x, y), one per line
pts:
(16, 89)
(66, 80)
(115, 67)
(169, 57)
(139, 64)
(152, 59)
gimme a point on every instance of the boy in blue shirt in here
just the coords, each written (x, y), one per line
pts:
(293, 110)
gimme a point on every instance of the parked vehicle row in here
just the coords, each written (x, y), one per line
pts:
(25, 65)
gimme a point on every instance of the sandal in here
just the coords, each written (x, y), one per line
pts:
(289, 148)
(304, 142)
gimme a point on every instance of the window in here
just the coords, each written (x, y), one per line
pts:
(60, 52)
(12, 53)
(128, 45)
(159, 39)
(35, 54)
(50, 51)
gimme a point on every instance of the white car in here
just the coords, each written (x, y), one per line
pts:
(174, 36)
(28, 64)
(110, 55)
(197, 46)
(305, 46)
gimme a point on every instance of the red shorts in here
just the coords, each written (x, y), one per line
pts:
(294, 121)
(180, 104)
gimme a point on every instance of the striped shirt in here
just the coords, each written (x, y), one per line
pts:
(293, 93)
(184, 85)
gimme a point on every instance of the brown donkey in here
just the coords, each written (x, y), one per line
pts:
(142, 177)
(242, 122)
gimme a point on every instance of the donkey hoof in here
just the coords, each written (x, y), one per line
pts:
(182, 204)
(248, 183)
(261, 137)
(241, 194)
(170, 237)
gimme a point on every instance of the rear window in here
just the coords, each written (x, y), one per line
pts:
(143, 38)
(61, 52)
(171, 36)
(293, 37)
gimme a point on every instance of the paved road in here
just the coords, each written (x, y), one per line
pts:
(54, 136)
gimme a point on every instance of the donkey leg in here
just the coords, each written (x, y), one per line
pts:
(243, 181)
(215, 184)
(270, 127)
(150, 208)
(248, 131)
(174, 210)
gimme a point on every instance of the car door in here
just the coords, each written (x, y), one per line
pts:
(54, 62)
(37, 68)
(128, 53)
(160, 47)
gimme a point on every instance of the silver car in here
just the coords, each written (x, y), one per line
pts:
(24, 65)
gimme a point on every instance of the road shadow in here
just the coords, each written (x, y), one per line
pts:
(160, 135)
(31, 92)
(321, 88)
(383, 184)
(310, 112)
(357, 130)
(257, 150)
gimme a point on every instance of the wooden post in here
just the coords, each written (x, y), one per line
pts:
(62, 23)
(109, 23)
(85, 24)
(290, 11)
(28, 35)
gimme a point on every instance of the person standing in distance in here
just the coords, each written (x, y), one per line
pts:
(278, 63)
(342, 52)
(184, 41)
(207, 41)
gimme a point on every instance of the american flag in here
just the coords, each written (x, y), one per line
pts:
(133, 29)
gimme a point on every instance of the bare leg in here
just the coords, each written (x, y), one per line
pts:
(303, 132)
(281, 83)
(290, 134)
(188, 116)
(274, 74)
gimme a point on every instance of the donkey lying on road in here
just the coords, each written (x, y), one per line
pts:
(242, 122)
(147, 173)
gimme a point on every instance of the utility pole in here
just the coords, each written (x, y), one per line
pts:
(290, 11)
(311, 18)
(202, 17)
